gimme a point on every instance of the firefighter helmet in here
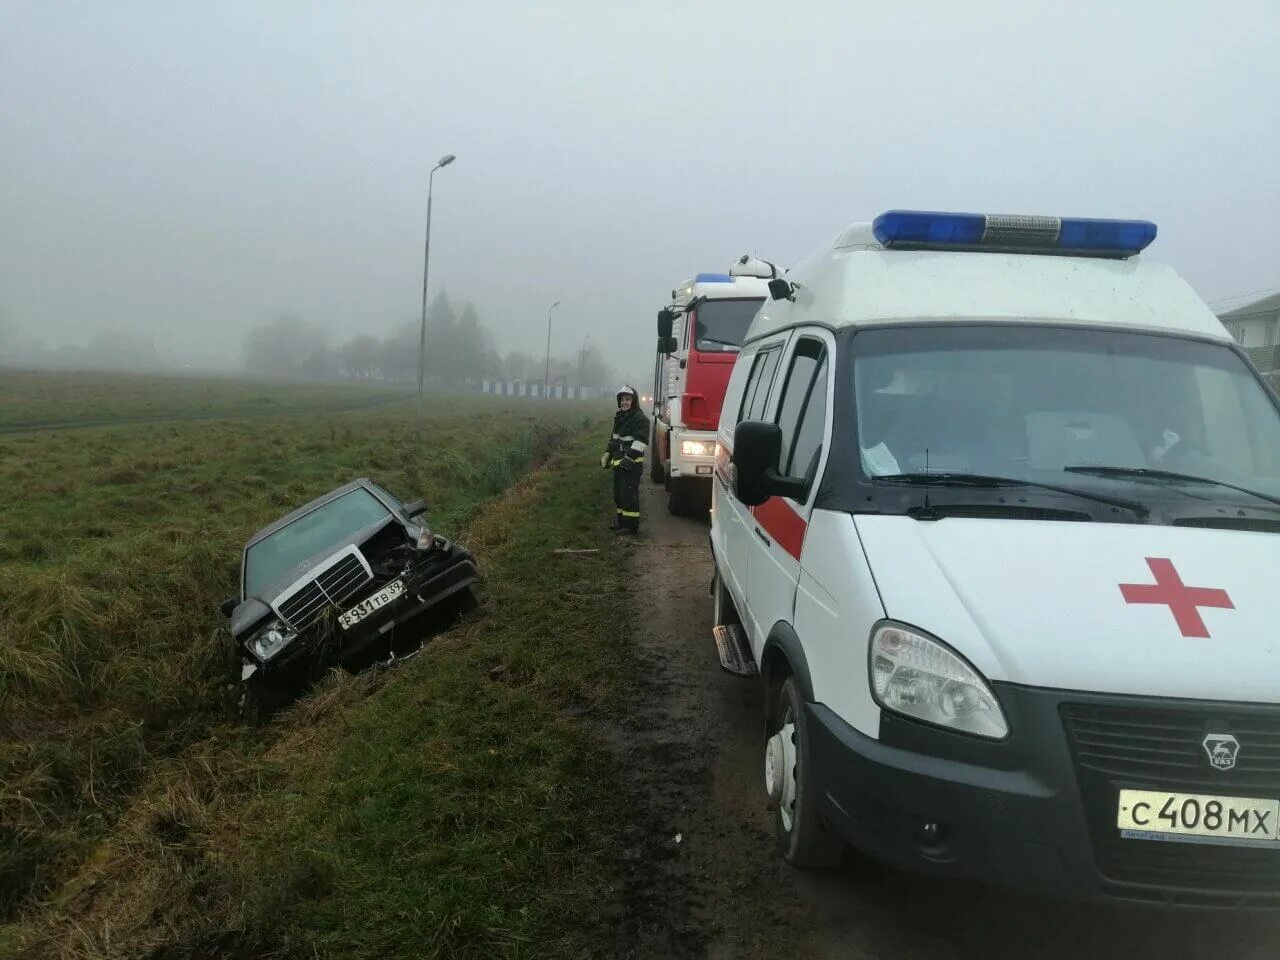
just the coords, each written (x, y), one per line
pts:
(635, 397)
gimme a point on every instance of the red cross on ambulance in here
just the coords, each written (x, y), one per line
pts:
(1184, 602)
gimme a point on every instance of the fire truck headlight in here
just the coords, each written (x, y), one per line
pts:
(697, 448)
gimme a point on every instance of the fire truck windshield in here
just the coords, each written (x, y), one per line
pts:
(720, 325)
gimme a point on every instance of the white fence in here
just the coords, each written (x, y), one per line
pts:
(533, 388)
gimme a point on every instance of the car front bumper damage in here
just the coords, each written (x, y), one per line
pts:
(444, 573)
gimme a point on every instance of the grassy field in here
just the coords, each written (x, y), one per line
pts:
(39, 397)
(115, 547)
(454, 807)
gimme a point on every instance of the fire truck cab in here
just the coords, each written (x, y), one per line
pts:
(699, 334)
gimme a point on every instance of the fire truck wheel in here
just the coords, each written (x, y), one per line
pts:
(792, 790)
(656, 472)
(685, 498)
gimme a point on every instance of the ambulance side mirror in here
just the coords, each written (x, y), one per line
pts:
(757, 447)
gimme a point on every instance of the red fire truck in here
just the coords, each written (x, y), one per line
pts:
(698, 338)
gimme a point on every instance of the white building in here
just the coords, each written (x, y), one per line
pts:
(1256, 327)
(1255, 324)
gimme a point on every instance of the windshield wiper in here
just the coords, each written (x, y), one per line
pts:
(1147, 473)
(983, 480)
(724, 343)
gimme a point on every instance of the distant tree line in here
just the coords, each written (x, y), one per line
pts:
(460, 351)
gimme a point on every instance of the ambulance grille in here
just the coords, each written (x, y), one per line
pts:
(1144, 747)
(1165, 747)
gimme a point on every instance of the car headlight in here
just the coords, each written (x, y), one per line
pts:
(917, 676)
(426, 539)
(696, 448)
(265, 644)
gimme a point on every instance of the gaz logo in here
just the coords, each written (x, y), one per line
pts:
(1222, 749)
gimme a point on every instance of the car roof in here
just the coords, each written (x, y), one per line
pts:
(856, 281)
(363, 482)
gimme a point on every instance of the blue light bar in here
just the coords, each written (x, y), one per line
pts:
(713, 278)
(928, 230)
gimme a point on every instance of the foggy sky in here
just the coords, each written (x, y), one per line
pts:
(188, 170)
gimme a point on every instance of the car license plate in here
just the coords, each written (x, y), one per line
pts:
(1198, 818)
(371, 604)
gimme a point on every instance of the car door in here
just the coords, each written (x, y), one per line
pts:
(735, 515)
(777, 526)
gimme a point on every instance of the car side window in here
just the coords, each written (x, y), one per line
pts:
(806, 400)
(757, 393)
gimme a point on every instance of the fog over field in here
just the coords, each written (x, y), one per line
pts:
(173, 176)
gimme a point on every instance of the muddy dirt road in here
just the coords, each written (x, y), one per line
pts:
(695, 753)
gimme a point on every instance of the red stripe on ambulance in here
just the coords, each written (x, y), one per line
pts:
(780, 520)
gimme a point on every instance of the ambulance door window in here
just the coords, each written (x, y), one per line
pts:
(795, 394)
(757, 394)
(736, 391)
(800, 456)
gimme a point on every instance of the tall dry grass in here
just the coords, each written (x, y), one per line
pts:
(116, 547)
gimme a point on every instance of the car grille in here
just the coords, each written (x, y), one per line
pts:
(332, 585)
(1145, 748)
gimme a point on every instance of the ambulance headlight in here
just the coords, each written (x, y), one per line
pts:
(919, 677)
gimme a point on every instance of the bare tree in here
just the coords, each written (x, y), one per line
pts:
(358, 357)
(287, 347)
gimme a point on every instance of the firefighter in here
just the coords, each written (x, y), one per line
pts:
(625, 457)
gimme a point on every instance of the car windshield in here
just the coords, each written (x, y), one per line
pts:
(721, 324)
(269, 560)
(1077, 405)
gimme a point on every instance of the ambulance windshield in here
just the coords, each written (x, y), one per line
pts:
(1084, 405)
(720, 325)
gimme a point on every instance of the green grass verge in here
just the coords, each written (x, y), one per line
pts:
(116, 547)
(456, 806)
(30, 397)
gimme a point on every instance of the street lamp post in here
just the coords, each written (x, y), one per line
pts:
(546, 373)
(447, 159)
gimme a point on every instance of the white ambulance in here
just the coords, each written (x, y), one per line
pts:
(997, 522)
(698, 338)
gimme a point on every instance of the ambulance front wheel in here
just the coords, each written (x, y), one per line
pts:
(791, 788)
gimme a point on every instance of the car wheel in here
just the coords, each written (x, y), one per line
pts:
(723, 609)
(465, 601)
(791, 787)
(258, 702)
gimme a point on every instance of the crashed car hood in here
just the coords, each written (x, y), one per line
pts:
(1120, 608)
